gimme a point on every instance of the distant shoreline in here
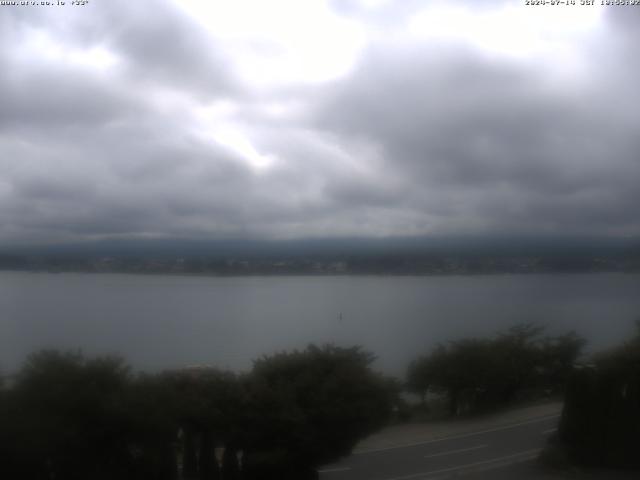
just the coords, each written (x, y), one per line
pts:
(323, 274)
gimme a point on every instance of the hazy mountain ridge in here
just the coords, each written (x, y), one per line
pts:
(437, 255)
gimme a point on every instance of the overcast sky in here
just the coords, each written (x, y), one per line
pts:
(317, 118)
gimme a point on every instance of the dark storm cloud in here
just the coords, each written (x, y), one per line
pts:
(39, 98)
(506, 147)
(146, 185)
(87, 152)
(165, 45)
(111, 116)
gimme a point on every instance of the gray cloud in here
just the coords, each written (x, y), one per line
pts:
(421, 137)
(507, 149)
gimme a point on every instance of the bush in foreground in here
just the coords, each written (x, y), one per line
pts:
(600, 424)
(69, 417)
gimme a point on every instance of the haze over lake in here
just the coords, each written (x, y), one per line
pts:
(171, 321)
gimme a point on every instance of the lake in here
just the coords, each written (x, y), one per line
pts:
(171, 321)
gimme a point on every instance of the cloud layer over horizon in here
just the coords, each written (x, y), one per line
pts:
(322, 118)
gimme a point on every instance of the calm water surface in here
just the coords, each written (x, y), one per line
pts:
(168, 321)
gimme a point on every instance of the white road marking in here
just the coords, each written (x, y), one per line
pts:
(551, 430)
(501, 461)
(333, 470)
(455, 437)
(451, 452)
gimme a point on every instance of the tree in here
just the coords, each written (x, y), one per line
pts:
(310, 407)
(67, 417)
(419, 378)
(559, 355)
(477, 373)
(518, 357)
(600, 423)
(209, 406)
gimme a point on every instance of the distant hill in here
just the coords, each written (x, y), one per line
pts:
(394, 255)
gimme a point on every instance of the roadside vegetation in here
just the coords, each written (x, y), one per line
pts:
(68, 417)
(473, 375)
(600, 424)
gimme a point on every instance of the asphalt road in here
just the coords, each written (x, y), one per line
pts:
(507, 451)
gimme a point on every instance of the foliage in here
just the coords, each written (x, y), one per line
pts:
(70, 417)
(600, 424)
(559, 354)
(317, 403)
(66, 418)
(479, 373)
